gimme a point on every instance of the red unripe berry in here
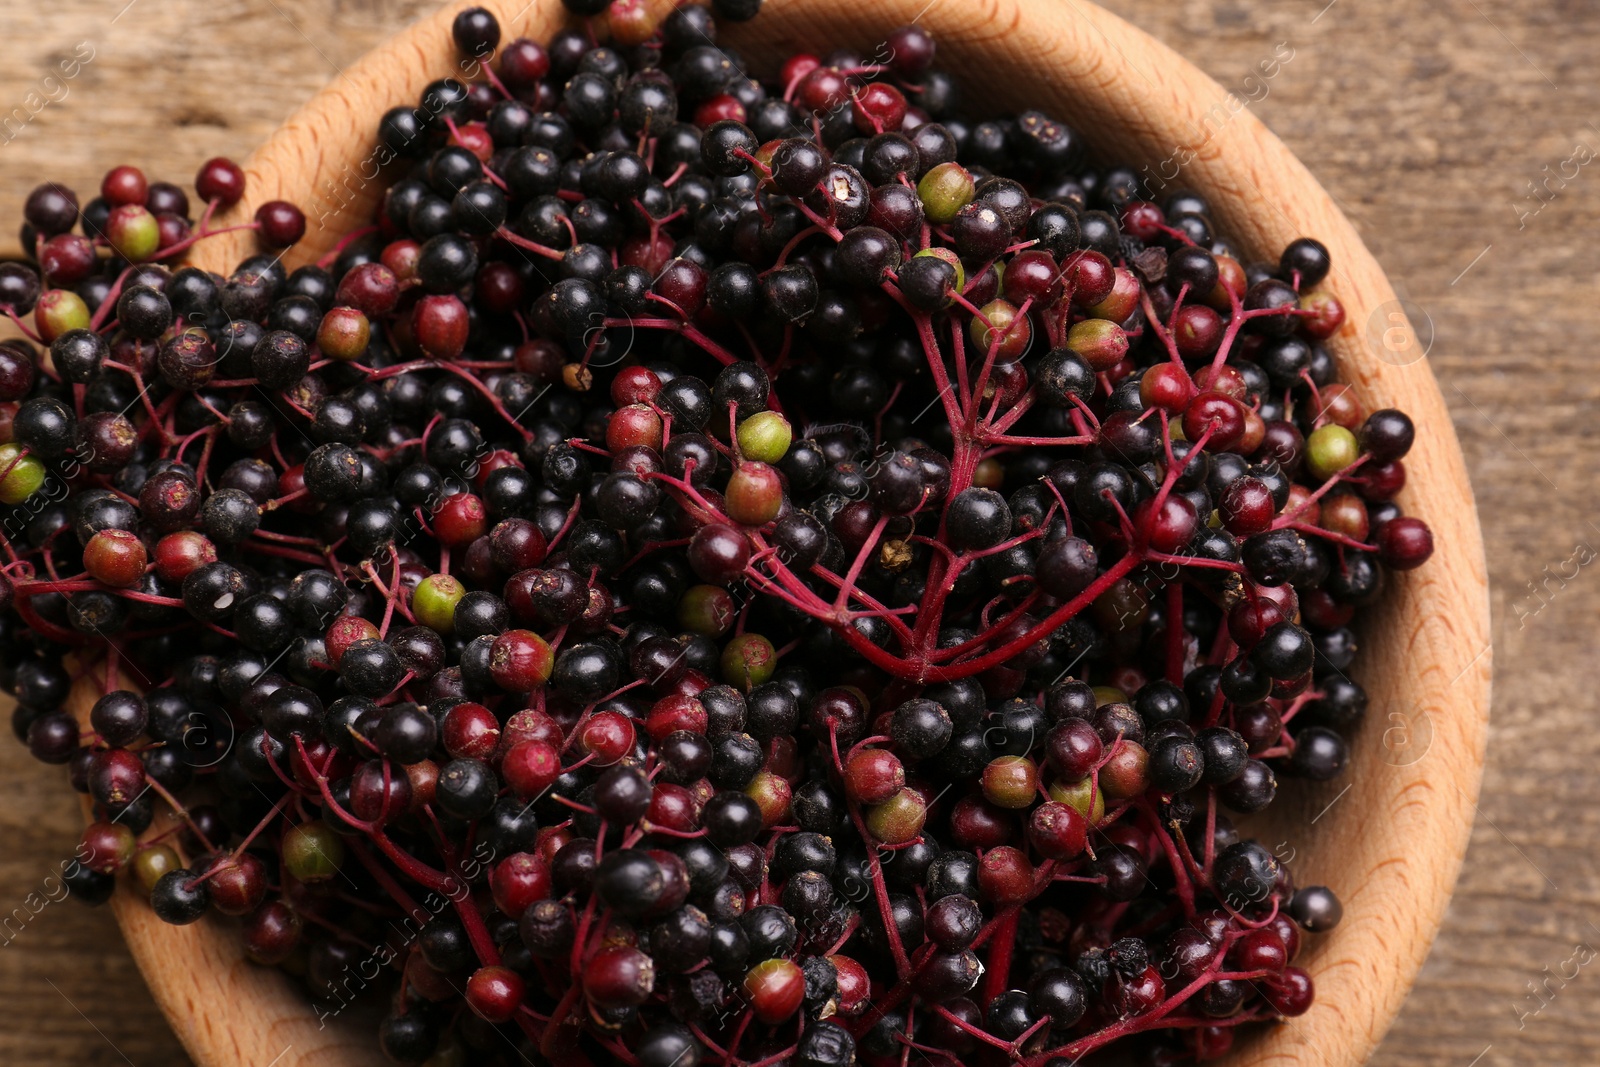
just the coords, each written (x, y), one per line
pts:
(673, 807)
(498, 459)
(401, 258)
(1341, 405)
(1405, 543)
(370, 288)
(1246, 506)
(879, 108)
(1302, 507)
(1197, 331)
(1032, 275)
(823, 89)
(470, 731)
(775, 988)
(634, 385)
(719, 108)
(1222, 415)
(460, 520)
(1073, 748)
(1224, 379)
(66, 259)
(237, 884)
(773, 795)
(499, 288)
(221, 180)
(116, 776)
(1231, 284)
(976, 823)
(544, 360)
(1290, 994)
(108, 846)
(281, 223)
(1251, 618)
(1005, 876)
(1327, 315)
(1344, 513)
(1166, 386)
(1320, 610)
(855, 986)
(620, 976)
(440, 325)
(115, 558)
(683, 281)
(380, 792)
(523, 64)
(519, 881)
(1143, 220)
(520, 661)
(1088, 276)
(516, 545)
(608, 736)
(1381, 483)
(1169, 527)
(1136, 996)
(673, 713)
(495, 993)
(1258, 950)
(755, 494)
(474, 137)
(1057, 831)
(718, 552)
(530, 725)
(1125, 772)
(170, 230)
(124, 185)
(796, 67)
(345, 631)
(529, 768)
(1122, 301)
(873, 775)
(636, 425)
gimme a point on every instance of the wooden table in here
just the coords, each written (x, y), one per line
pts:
(1457, 135)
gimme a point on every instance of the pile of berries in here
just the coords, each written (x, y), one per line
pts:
(718, 572)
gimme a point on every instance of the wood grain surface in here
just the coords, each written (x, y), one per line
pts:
(1382, 105)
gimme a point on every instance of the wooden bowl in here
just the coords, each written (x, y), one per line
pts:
(1389, 837)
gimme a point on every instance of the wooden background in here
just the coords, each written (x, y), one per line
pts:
(1459, 137)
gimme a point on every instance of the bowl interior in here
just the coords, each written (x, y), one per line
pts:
(1388, 837)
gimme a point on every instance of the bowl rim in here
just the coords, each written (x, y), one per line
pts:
(1143, 101)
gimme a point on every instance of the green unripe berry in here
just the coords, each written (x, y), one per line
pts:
(149, 864)
(133, 233)
(344, 334)
(748, 661)
(1108, 694)
(434, 603)
(899, 819)
(57, 311)
(765, 436)
(1330, 449)
(313, 852)
(20, 474)
(1098, 342)
(1010, 781)
(1083, 797)
(944, 191)
(706, 609)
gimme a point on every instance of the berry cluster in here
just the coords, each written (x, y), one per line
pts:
(716, 572)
